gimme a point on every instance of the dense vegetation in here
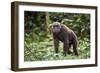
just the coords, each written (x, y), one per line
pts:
(38, 41)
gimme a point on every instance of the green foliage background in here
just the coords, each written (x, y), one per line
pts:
(38, 42)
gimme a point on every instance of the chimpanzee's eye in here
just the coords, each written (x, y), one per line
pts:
(56, 26)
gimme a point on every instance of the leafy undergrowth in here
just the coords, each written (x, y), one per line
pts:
(44, 51)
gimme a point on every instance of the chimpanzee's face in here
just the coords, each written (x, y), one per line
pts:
(56, 27)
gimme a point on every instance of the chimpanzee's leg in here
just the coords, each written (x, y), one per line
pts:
(69, 52)
(66, 46)
(56, 44)
(75, 46)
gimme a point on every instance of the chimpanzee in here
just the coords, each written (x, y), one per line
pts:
(64, 34)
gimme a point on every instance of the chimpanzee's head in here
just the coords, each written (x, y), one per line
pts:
(55, 27)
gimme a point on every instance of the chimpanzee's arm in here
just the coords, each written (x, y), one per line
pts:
(66, 46)
(56, 44)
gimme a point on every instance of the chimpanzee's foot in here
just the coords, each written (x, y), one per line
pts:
(64, 54)
(76, 54)
(69, 52)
